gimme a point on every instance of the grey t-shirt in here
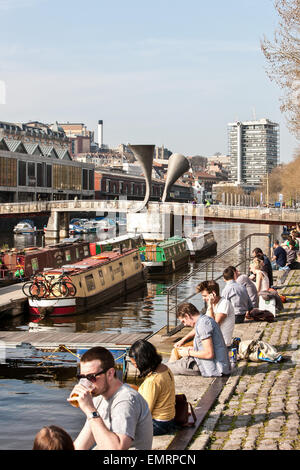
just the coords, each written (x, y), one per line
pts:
(127, 413)
(207, 327)
(244, 280)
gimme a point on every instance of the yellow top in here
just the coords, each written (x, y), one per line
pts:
(158, 389)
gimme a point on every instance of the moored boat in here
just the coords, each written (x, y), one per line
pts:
(97, 280)
(121, 242)
(165, 257)
(31, 260)
(25, 226)
(201, 245)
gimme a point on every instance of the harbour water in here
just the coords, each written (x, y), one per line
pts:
(28, 402)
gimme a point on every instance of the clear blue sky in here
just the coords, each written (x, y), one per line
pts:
(164, 72)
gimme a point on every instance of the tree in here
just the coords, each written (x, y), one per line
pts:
(283, 57)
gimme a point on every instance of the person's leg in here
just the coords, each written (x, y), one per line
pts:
(239, 318)
(184, 366)
(163, 427)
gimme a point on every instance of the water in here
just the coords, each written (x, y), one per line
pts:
(30, 401)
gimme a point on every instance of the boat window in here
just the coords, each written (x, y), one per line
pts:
(122, 269)
(102, 281)
(68, 255)
(86, 250)
(77, 253)
(34, 264)
(135, 257)
(112, 273)
(90, 283)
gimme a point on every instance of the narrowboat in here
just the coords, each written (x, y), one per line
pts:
(33, 259)
(121, 242)
(201, 245)
(97, 280)
(165, 257)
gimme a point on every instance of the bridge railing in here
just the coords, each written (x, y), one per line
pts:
(207, 270)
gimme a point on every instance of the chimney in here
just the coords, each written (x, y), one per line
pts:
(100, 134)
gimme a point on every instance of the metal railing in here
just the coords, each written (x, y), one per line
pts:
(208, 269)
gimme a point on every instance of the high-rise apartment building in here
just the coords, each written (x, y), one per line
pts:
(253, 150)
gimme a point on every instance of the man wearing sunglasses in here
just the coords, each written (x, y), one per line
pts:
(118, 417)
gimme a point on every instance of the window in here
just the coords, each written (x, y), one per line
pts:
(35, 265)
(90, 283)
(112, 273)
(102, 281)
(122, 269)
(68, 255)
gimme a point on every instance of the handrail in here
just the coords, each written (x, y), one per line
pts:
(204, 268)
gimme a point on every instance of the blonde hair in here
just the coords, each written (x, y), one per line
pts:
(257, 263)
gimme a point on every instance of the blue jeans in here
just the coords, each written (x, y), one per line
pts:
(163, 427)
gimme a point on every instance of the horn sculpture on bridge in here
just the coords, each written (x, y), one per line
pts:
(144, 155)
(178, 164)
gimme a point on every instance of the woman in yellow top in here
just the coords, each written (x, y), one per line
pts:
(158, 388)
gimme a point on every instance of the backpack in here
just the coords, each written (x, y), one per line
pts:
(182, 413)
(257, 351)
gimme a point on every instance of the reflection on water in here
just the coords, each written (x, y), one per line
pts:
(23, 411)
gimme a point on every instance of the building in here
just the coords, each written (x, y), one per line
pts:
(35, 164)
(112, 183)
(253, 150)
(80, 138)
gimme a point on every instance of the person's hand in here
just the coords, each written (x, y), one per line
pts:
(211, 299)
(179, 343)
(83, 397)
(184, 352)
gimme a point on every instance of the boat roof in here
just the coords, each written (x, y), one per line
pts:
(171, 241)
(120, 238)
(91, 262)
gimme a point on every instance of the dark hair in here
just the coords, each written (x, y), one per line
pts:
(292, 244)
(276, 242)
(228, 273)
(260, 256)
(101, 354)
(210, 286)
(187, 309)
(53, 438)
(146, 357)
(257, 251)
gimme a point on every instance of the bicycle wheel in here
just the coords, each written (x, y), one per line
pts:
(59, 289)
(71, 288)
(34, 290)
(26, 288)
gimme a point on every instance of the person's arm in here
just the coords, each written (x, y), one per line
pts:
(218, 317)
(206, 353)
(259, 277)
(85, 438)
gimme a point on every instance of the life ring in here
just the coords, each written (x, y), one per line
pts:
(100, 257)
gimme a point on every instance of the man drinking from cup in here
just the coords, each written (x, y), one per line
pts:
(118, 418)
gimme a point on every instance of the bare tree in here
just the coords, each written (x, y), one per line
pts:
(283, 57)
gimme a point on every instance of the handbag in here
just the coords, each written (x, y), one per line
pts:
(184, 417)
(257, 351)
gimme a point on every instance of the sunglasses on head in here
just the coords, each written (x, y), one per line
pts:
(91, 377)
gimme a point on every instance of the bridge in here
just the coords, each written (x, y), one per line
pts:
(59, 212)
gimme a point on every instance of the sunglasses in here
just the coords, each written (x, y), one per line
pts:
(91, 377)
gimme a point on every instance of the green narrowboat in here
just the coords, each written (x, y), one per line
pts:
(165, 257)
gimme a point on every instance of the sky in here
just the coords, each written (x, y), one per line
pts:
(164, 72)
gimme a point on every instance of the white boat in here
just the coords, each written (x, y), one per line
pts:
(25, 226)
(201, 244)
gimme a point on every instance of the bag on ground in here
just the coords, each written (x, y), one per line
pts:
(257, 351)
(184, 417)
